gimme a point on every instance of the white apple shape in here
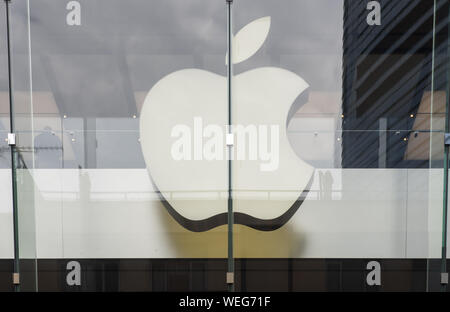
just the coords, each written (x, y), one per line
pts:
(194, 191)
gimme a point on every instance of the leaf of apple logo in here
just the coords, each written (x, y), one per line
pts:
(185, 111)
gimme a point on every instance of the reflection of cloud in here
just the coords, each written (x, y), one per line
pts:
(307, 42)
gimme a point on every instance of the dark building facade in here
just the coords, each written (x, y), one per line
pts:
(387, 83)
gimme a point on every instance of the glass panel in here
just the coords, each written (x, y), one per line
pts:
(6, 215)
(115, 85)
(23, 128)
(348, 86)
(433, 107)
(293, 197)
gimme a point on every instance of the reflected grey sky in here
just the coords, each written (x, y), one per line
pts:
(126, 47)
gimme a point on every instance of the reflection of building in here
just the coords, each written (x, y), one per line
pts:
(387, 83)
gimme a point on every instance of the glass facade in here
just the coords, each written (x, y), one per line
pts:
(140, 125)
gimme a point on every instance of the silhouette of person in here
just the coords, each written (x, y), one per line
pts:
(48, 149)
(327, 185)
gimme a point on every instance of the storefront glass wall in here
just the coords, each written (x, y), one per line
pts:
(336, 177)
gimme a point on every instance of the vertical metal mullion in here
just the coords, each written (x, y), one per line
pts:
(13, 150)
(433, 56)
(230, 149)
(446, 159)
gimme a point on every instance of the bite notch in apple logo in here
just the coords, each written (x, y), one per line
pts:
(181, 132)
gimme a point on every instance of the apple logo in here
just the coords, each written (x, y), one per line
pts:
(185, 113)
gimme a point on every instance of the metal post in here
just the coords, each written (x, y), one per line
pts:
(446, 159)
(444, 212)
(16, 278)
(230, 273)
(433, 56)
